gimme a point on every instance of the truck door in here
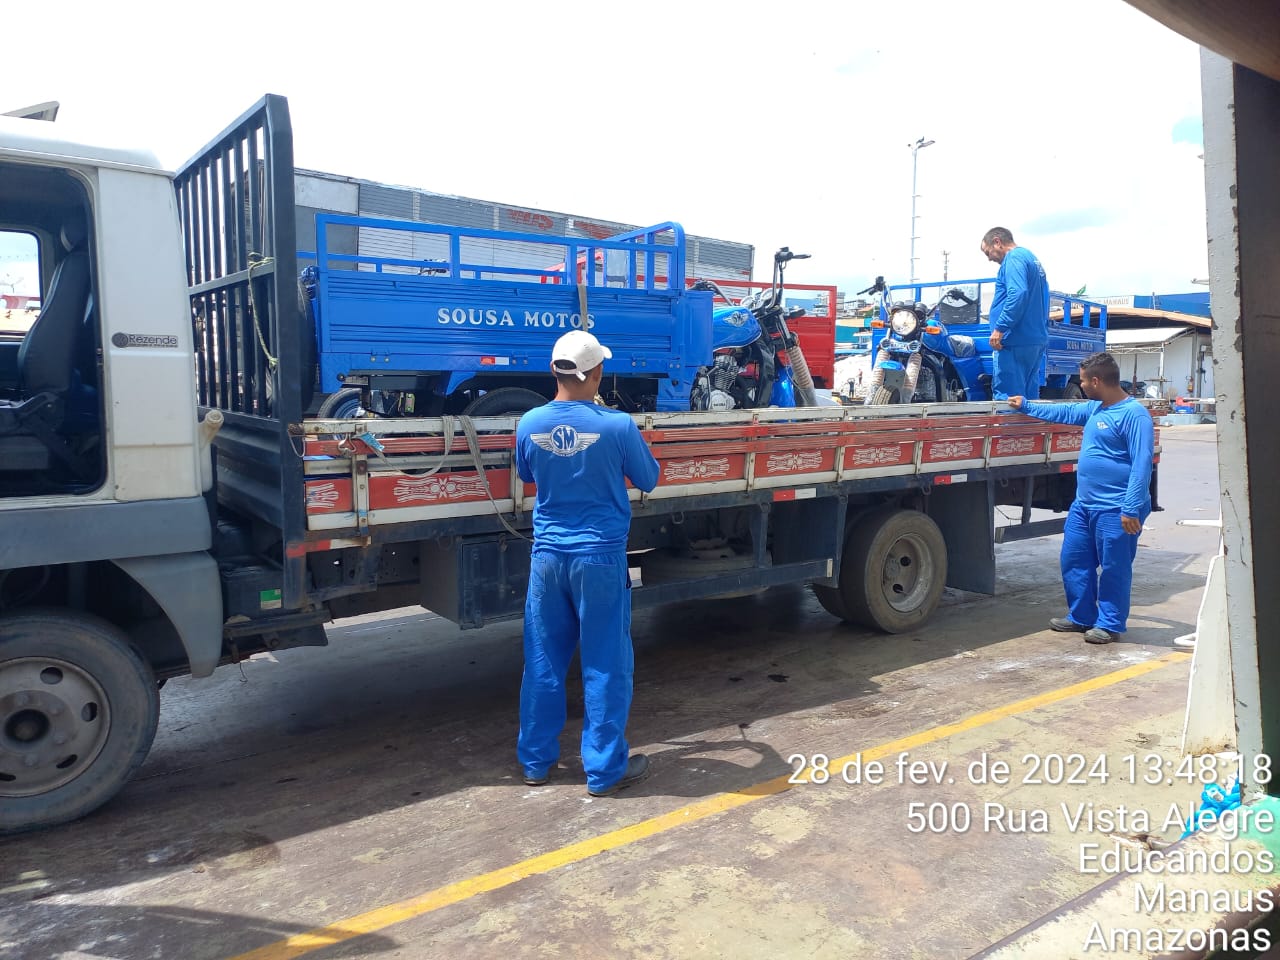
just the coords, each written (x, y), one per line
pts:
(51, 435)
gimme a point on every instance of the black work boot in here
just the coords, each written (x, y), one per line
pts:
(1065, 625)
(637, 770)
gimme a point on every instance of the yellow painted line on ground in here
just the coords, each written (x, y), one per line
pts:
(383, 917)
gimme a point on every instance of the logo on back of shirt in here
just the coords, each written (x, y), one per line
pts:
(564, 440)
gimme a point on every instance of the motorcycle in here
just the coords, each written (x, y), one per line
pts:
(918, 360)
(757, 360)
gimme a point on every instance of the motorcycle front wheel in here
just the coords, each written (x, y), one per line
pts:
(884, 396)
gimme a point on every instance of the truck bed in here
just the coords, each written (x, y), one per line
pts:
(477, 301)
(379, 511)
(372, 473)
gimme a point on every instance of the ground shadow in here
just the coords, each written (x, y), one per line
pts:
(403, 710)
(152, 931)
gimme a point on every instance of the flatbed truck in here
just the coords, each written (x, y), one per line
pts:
(167, 506)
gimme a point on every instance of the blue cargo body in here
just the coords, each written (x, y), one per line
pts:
(1077, 328)
(491, 303)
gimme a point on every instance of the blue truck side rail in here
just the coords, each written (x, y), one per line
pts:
(1077, 327)
(442, 306)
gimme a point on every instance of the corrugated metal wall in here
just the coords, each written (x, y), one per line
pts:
(707, 257)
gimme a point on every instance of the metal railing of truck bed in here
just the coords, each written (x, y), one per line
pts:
(254, 356)
(365, 475)
(641, 259)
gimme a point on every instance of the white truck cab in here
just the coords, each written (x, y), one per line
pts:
(111, 344)
(105, 574)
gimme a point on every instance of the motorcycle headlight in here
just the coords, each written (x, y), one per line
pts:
(904, 322)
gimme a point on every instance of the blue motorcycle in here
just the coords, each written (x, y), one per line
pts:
(757, 360)
(917, 360)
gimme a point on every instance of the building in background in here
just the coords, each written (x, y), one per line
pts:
(317, 192)
(1163, 339)
(853, 324)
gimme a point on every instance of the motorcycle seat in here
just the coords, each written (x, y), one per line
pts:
(962, 346)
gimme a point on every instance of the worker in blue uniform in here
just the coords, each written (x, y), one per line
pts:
(1113, 499)
(1019, 317)
(580, 455)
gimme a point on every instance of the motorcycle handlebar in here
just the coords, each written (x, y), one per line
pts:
(785, 255)
(703, 284)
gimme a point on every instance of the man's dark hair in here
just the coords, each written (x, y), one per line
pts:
(998, 233)
(1103, 366)
(568, 378)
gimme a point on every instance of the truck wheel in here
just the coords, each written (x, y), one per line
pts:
(78, 712)
(343, 405)
(831, 600)
(503, 402)
(894, 569)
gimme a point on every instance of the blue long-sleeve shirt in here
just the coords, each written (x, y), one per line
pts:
(1115, 457)
(581, 455)
(1020, 309)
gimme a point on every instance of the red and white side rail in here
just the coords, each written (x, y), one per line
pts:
(351, 485)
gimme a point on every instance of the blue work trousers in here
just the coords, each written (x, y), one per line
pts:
(1097, 567)
(577, 601)
(1016, 372)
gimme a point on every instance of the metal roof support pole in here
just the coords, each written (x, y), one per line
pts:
(1242, 192)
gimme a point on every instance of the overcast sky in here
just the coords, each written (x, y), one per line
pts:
(1076, 125)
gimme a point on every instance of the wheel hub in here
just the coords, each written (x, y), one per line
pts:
(54, 721)
(908, 573)
(27, 726)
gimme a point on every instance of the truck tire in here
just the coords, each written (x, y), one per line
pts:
(343, 405)
(894, 569)
(78, 711)
(503, 402)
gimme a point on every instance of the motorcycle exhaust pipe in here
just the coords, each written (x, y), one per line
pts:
(801, 376)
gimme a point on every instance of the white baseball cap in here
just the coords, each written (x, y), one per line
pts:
(577, 352)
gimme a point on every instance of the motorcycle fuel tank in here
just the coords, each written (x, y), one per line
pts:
(733, 327)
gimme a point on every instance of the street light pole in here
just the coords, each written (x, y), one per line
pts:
(915, 149)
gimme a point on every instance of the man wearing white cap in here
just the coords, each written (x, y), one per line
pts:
(580, 456)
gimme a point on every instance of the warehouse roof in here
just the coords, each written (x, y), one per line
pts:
(1143, 336)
